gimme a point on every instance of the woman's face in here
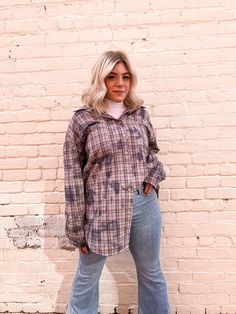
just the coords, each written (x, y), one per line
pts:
(118, 83)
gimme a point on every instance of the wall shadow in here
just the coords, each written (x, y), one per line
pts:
(118, 287)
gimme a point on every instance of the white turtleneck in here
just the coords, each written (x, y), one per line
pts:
(115, 109)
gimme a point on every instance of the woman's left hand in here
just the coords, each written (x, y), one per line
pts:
(147, 188)
(84, 249)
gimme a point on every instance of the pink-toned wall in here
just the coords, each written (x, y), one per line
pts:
(185, 55)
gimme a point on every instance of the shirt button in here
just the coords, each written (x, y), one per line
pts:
(130, 189)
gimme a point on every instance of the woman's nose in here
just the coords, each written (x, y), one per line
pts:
(120, 81)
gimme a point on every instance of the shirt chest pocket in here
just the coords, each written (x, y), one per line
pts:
(99, 140)
(139, 136)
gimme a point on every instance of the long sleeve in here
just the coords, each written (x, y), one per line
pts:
(156, 171)
(74, 186)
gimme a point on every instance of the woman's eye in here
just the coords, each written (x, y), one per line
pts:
(111, 77)
(126, 77)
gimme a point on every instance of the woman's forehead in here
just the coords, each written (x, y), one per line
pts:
(120, 67)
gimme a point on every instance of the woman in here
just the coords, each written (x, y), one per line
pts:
(112, 179)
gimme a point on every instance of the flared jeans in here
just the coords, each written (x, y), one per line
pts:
(145, 248)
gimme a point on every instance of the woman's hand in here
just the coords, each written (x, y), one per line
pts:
(147, 188)
(84, 249)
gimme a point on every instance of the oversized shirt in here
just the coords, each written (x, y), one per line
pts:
(105, 161)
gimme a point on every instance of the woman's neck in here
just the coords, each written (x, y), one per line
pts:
(115, 109)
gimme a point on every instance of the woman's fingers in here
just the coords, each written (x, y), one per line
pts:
(147, 188)
(84, 249)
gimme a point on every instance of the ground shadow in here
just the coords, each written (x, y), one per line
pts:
(118, 286)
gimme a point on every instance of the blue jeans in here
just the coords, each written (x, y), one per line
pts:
(144, 247)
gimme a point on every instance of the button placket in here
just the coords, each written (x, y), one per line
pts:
(127, 145)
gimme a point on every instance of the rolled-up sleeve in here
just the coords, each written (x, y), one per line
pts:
(156, 172)
(74, 186)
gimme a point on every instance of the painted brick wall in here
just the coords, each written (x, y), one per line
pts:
(185, 55)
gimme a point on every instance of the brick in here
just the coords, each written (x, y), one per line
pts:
(10, 187)
(190, 241)
(199, 133)
(50, 174)
(229, 204)
(12, 140)
(14, 307)
(13, 210)
(195, 170)
(177, 171)
(4, 199)
(230, 158)
(227, 169)
(19, 163)
(186, 122)
(34, 186)
(228, 181)
(43, 163)
(33, 115)
(225, 120)
(212, 169)
(60, 174)
(6, 117)
(117, 19)
(61, 114)
(215, 241)
(21, 151)
(34, 174)
(61, 37)
(7, 222)
(179, 230)
(225, 193)
(125, 34)
(174, 276)
(206, 299)
(160, 122)
(204, 276)
(209, 158)
(195, 288)
(214, 252)
(26, 198)
(192, 216)
(65, 22)
(169, 110)
(173, 159)
(201, 182)
(93, 34)
(221, 216)
(172, 242)
(185, 194)
(177, 183)
(14, 128)
(50, 198)
(52, 127)
(175, 134)
(2, 129)
(196, 266)
(164, 147)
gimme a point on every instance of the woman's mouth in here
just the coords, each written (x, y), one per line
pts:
(119, 92)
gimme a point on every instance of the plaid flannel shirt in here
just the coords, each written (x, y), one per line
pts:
(105, 161)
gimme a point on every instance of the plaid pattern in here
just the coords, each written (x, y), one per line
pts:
(105, 161)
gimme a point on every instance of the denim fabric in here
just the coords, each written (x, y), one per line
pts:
(144, 247)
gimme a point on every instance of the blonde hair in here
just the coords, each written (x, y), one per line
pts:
(94, 96)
